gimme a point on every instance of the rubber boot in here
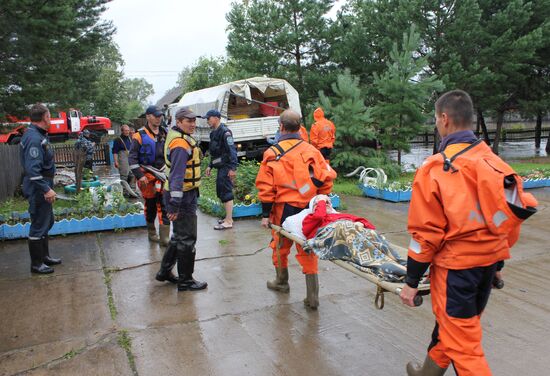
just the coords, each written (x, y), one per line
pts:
(37, 262)
(167, 264)
(46, 249)
(429, 368)
(312, 291)
(186, 266)
(281, 281)
(164, 235)
(152, 232)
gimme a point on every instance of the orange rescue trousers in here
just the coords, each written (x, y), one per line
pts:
(308, 261)
(154, 204)
(458, 299)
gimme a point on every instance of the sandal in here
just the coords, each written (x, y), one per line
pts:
(221, 226)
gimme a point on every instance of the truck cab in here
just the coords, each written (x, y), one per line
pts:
(250, 109)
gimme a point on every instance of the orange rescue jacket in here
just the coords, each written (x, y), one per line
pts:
(323, 131)
(450, 203)
(293, 174)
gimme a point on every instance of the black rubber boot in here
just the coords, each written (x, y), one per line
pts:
(312, 291)
(167, 264)
(186, 266)
(36, 252)
(46, 248)
(429, 368)
(281, 281)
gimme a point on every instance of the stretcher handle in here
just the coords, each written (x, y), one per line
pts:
(418, 299)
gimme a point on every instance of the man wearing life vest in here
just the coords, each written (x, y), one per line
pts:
(322, 133)
(183, 165)
(148, 150)
(291, 174)
(465, 213)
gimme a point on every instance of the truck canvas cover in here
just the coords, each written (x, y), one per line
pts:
(214, 97)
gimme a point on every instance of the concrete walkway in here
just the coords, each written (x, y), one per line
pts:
(102, 313)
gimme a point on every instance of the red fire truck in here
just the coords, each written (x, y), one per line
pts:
(67, 124)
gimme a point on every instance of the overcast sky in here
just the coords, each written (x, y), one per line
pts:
(157, 39)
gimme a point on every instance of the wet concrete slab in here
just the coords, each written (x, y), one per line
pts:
(62, 325)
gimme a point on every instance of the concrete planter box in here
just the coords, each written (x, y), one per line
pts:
(254, 210)
(386, 194)
(536, 183)
(405, 195)
(74, 226)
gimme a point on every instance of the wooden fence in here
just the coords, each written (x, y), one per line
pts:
(11, 171)
(65, 154)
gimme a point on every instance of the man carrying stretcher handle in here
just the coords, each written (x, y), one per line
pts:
(291, 174)
(465, 214)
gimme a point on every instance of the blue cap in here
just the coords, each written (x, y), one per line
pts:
(215, 113)
(153, 110)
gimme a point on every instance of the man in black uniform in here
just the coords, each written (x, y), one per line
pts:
(223, 156)
(38, 163)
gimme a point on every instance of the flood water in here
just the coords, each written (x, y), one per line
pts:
(509, 150)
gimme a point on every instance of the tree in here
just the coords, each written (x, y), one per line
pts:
(207, 72)
(365, 31)
(349, 113)
(45, 50)
(400, 112)
(290, 39)
(137, 89)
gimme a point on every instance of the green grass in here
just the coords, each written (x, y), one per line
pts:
(346, 186)
(522, 167)
(20, 204)
(125, 342)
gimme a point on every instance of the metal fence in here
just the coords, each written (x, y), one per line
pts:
(427, 138)
(11, 171)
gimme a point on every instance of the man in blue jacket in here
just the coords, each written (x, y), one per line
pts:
(223, 157)
(38, 162)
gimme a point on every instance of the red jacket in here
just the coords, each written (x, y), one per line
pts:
(319, 218)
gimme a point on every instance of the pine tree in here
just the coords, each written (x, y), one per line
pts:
(46, 51)
(287, 39)
(403, 94)
(347, 110)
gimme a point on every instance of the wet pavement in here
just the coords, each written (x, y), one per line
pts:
(102, 313)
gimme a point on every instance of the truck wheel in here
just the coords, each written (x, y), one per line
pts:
(15, 140)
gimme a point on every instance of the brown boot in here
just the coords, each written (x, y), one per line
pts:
(281, 281)
(312, 291)
(429, 368)
(164, 234)
(152, 232)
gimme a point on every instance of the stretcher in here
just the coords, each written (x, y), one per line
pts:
(382, 286)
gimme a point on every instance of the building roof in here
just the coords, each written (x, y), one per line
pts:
(171, 96)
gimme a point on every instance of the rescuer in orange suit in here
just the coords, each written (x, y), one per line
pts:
(322, 133)
(465, 214)
(148, 150)
(291, 174)
(303, 133)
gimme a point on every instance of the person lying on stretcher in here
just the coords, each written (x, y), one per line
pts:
(332, 235)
